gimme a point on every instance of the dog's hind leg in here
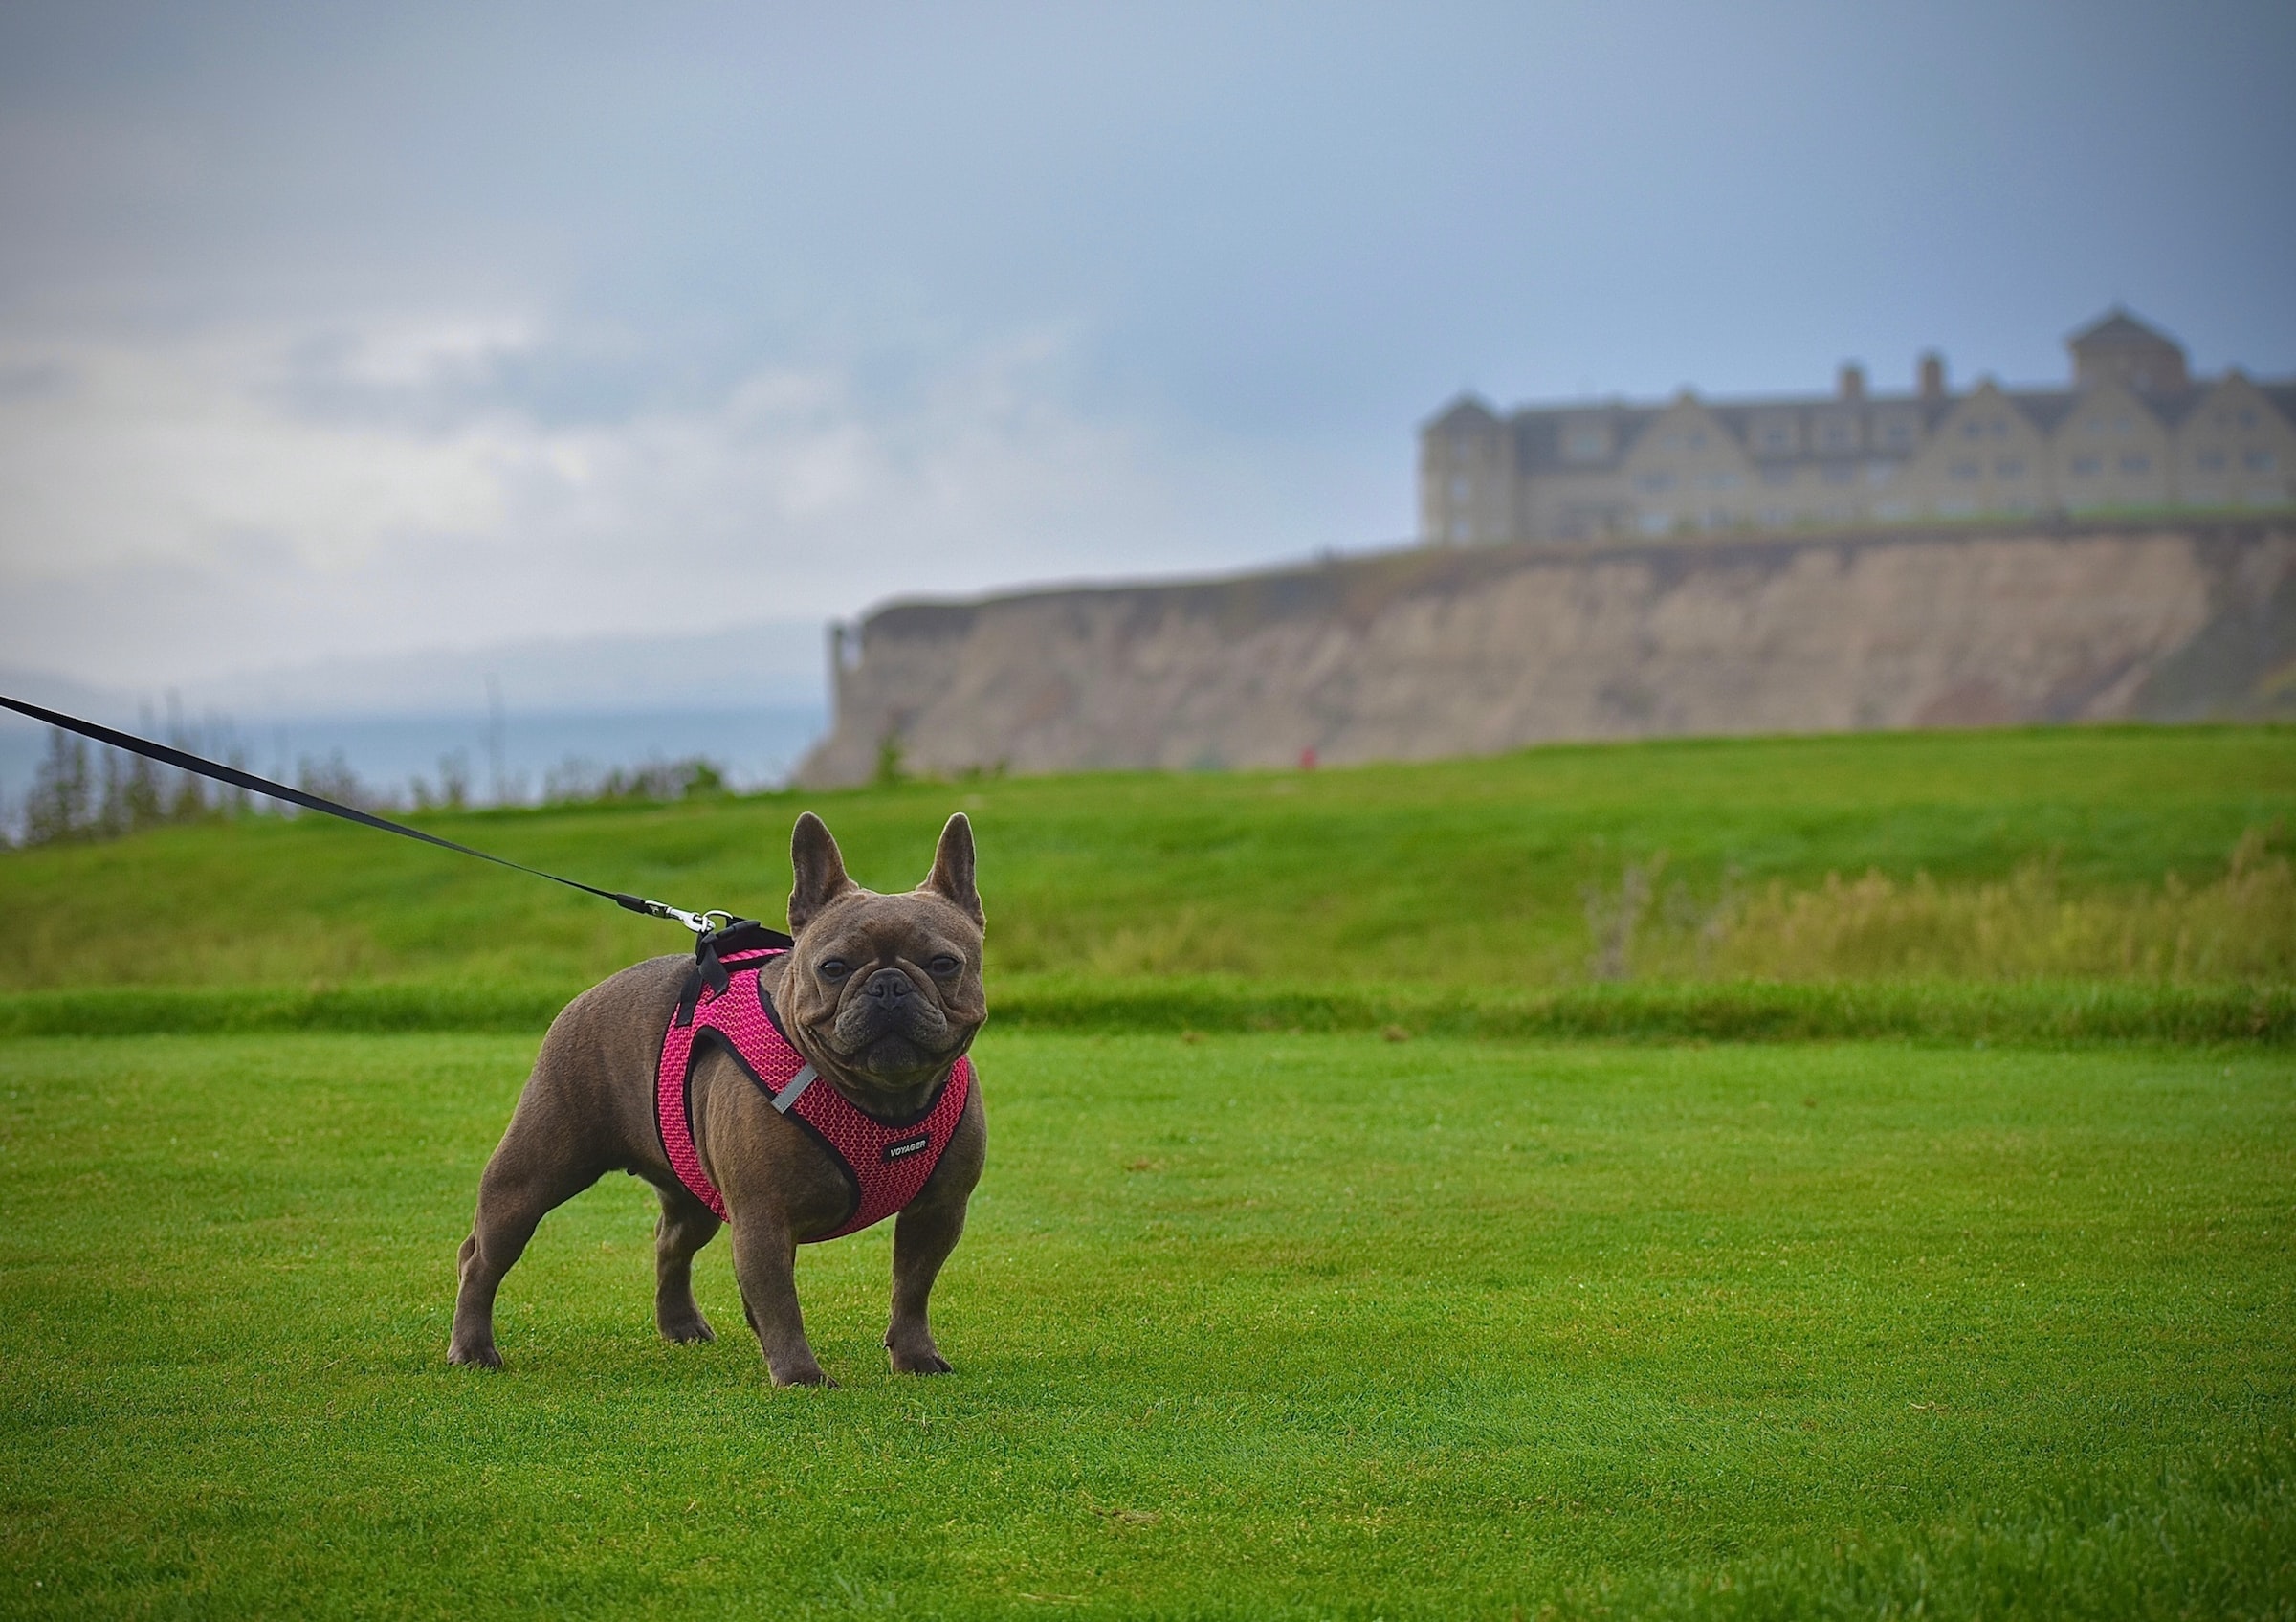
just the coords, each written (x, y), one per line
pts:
(520, 1187)
(686, 1226)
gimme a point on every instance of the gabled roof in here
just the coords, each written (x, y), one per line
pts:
(2047, 407)
(2281, 397)
(1466, 411)
(1538, 432)
(2119, 329)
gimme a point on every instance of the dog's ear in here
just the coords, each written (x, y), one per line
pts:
(820, 870)
(952, 874)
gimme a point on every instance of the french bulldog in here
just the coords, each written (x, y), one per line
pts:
(881, 994)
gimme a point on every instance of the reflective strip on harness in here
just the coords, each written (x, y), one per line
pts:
(885, 1164)
(786, 1099)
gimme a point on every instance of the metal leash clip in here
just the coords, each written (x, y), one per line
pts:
(697, 921)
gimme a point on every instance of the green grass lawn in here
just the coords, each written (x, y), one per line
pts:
(1260, 1325)
(1448, 873)
(1991, 1319)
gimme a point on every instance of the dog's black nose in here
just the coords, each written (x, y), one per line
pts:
(888, 985)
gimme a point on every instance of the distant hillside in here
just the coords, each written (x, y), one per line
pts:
(1448, 651)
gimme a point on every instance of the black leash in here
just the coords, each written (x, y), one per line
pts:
(697, 921)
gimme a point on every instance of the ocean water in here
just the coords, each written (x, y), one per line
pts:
(756, 748)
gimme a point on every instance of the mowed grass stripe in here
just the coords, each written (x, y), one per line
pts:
(1254, 1325)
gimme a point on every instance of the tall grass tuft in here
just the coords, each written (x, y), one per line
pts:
(2239, 926)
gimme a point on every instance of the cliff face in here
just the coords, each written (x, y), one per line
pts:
(1442, 651)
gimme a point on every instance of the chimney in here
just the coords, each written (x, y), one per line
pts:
(1853, 381)
(1932, 376)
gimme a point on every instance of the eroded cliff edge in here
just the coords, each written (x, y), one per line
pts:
(1434, 652)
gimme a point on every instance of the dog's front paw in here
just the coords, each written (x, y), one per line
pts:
(806, 1374)
(687, 1331)
(475, 1357)
(918, 1356)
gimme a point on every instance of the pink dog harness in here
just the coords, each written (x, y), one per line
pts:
(885, 1163)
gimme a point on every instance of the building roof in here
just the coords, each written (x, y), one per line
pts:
(1540, 431)
(2045, 407)
(2119, 329)
(1467, 410)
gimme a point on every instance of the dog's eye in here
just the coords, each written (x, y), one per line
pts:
(833, 969)
(944, 965)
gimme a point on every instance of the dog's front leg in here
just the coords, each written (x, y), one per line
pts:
(922, 1238)
(765, 1264)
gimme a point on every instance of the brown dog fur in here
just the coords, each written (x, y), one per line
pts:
(884, 1042)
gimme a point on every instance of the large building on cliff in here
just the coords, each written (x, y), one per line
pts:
(2134, 432)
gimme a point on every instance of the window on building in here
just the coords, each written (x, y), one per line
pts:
(1722, 480)
(1777, 476)
(1587, 444)
(1462, 490)
(1973, 428)
(2245, 416)
(1880, 472)
(1840, 473)
(2136, 464)
(2210, 461)
(1965, 470)
(2087, 467)
(2259, 461)
(2009, 467)
(1653, 481)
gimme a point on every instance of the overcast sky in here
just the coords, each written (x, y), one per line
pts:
(344, 331)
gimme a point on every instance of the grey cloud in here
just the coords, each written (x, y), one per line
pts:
(1270, 238)
(33, 380)
(550, 383)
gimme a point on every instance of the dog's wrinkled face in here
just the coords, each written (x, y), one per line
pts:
(887, 987)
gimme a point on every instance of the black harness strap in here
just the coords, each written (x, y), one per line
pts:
(182, 761)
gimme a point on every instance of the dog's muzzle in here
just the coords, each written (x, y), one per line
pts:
(887, 1022)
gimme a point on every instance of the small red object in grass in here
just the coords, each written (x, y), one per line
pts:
(1307, 757)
